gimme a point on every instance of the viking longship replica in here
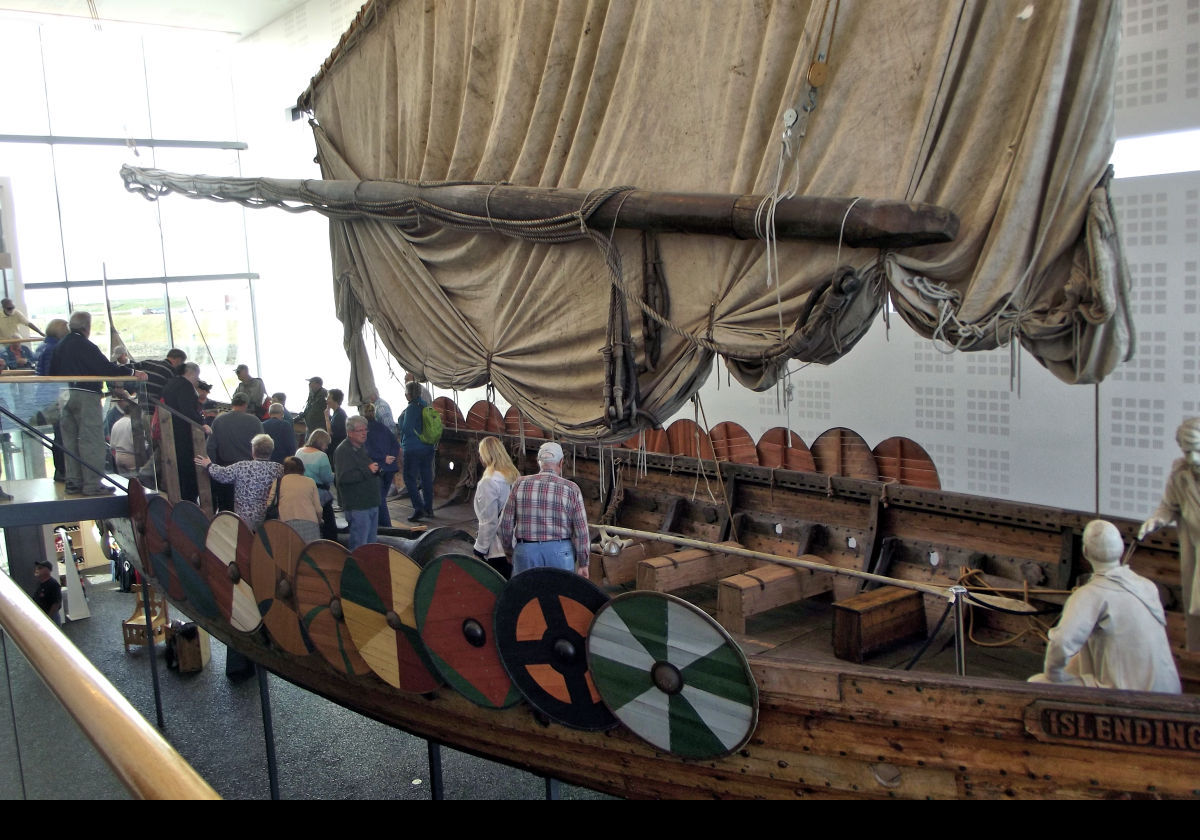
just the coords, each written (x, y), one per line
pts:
(584, 205)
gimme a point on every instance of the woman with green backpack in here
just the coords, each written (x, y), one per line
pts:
(418, 438)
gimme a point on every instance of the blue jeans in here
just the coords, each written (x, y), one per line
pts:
(364, 526)
(556, 554)
(418, 477)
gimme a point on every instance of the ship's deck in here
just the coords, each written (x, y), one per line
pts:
(804, 631)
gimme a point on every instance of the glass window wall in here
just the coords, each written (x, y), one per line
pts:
(95, 81)
(104, 227)
(200, 237)
(72, 221)
(211, 323)
(21, 58)
(37, 246)
(189, 86)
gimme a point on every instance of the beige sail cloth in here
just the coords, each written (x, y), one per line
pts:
(999, 111)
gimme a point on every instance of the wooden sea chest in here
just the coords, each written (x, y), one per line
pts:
(873, 621)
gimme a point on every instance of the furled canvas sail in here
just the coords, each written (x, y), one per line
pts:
(1000, 112)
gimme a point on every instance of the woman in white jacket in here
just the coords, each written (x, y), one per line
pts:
(490, 495)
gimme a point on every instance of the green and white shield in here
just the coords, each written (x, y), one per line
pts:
(672, 675)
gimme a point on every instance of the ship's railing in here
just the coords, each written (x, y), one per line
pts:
(140, 759)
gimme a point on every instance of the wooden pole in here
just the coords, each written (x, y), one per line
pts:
(859, 222)
(814, 565)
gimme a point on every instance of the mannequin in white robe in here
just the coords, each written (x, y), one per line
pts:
(1181, 505)
(1113, 630)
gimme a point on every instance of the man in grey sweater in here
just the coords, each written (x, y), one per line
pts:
(358, 483)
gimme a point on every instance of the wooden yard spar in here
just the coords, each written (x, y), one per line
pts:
(508, 209)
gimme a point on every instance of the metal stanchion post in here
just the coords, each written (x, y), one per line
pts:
(958, 596)
(435, 770)
(149, 644)
(264, 696)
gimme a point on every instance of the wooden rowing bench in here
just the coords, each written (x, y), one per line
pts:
(688, 567)
(766, 587)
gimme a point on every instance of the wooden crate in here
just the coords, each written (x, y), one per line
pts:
(876, 620)
(191, 654)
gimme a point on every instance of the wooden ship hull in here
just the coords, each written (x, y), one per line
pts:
(460, 222)
(822, 726)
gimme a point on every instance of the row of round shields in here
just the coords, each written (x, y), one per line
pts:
(434, 615)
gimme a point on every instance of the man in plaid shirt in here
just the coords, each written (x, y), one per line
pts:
(545, 516)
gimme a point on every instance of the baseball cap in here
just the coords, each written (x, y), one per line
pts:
(241, 368)
(317, 379)
(44, 563)
(550, 452)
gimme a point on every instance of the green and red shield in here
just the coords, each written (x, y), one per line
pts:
(187, 533)
(273, 563)
(455, 606)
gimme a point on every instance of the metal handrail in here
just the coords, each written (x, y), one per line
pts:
(139, 756)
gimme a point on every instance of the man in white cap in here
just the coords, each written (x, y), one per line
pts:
(1181, 505)
(544, 518)
(1113, 631)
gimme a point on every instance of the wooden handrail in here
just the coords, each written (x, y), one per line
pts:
(141, 758)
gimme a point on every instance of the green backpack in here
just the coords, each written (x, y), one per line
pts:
(431, 426)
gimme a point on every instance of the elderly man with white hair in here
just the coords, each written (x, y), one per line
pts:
(1181, 505)
(358, 483)
(544, 518)
(1113, 630)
